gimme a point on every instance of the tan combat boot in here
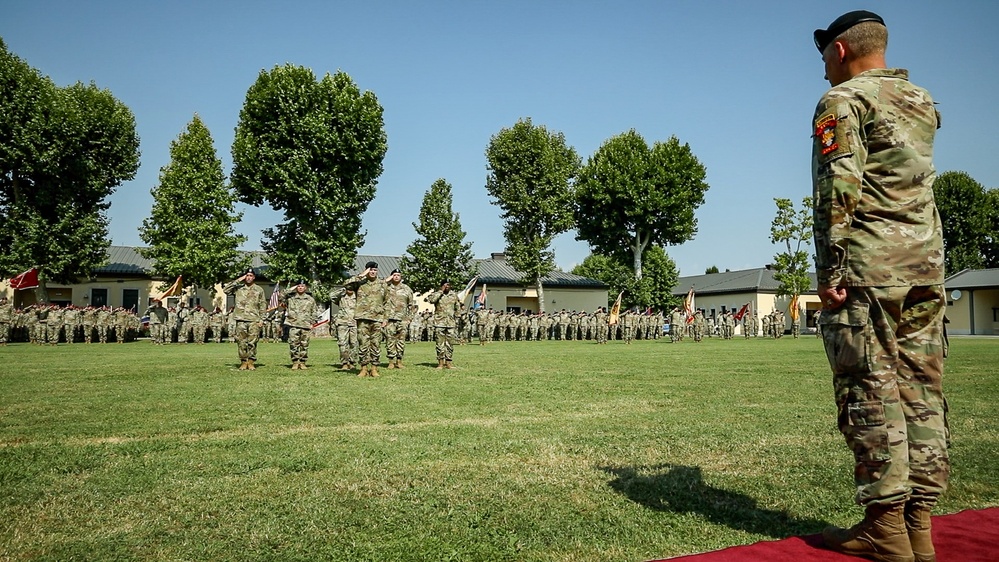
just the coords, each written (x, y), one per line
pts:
(448, 365)
(302, 367)
(364, 371)
(249, 365)
(440, 364)
(294, 365)
(917, 523)
(242, 365)
(880, 536)
(345, 367)
(398, 364)
(391, 364)
(374, 371)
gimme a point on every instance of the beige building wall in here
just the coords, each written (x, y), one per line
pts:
(982, 303)
(112, 292)
(500, 298)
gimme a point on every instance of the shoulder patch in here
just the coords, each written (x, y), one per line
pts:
(831, 137)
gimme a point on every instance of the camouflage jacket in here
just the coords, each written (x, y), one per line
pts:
(372, 295)
(157, 315)
(446, 308)
(302, 310)
(250, 301)
(875, 221)
(347, 303)
(401, 302)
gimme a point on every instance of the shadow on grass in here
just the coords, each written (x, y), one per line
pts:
(678, 488)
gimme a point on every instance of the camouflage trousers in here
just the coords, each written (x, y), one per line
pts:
(4, 332)
(158, 332)
(247, 335)
(886, 348)
(483, 332)
(346, 337)
(369, 341)
(395, 339)
(298, 343)
(445, 343)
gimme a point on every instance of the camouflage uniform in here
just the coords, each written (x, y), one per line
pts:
(446, 309)
(249, 317)
(301, 312)
(878, 235)
(346, 327)
(158, 328)
(369, 313)
(399, 309)
(6, 320)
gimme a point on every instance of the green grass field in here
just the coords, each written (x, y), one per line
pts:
(529, 451)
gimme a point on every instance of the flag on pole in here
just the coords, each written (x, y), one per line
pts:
(615, 310)
(742, 312)
(688, 305)
(468, 289)
(26, 280)
(793, 308)
(174, 289)
(323, 319)
(482, 297)
(275, 297)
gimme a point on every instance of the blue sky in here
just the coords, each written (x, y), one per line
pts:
(737, 80)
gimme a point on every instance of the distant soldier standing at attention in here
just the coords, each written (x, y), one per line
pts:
(399, 311)
(879, 262)
(248, 315)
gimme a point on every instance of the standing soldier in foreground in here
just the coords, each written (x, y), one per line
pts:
(399, 309)
(369, 313)
(300, 314)
(158, 329)
(879, 258)
(446, 309)
(248, 315)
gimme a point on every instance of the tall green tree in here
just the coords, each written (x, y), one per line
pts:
(63, 152)
(655, 289)
(190, 231)
(631, 196)
(439, 251)
(531, 170)
(314, 150)
(792, 229)
(970, 218)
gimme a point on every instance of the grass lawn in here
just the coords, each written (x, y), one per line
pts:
(528, 451)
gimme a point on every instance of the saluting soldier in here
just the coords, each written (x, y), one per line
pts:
(369, 313)
(248, 315)
(301, 313)
(446, 309)
(399, 309)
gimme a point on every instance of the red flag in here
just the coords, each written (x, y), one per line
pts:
(26, 280)
(742, 312)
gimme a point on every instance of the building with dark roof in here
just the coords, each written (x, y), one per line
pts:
(715, 293)
(973, 302)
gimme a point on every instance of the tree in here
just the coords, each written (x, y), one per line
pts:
(190, 231)
(314, 150)
(630, 196)
(531, 171)
(653, 290)
(711, 269)
(440, 251)
(63, 152)
(793, 229)
(969, 215)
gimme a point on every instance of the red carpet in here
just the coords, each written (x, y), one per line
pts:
(968, 536)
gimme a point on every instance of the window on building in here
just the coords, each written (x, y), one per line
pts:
(98, 297)
(130, 299)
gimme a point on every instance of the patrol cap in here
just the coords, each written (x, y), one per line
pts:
(371, 265)
(823, 37)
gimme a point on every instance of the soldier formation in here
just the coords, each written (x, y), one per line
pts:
(50, 324)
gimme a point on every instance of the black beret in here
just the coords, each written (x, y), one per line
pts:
(445, 282)
(371, 265)
(394, 271)
(823, 37)
(301, 282)
(249, 271)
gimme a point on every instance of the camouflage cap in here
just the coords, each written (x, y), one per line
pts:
(823, 37)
